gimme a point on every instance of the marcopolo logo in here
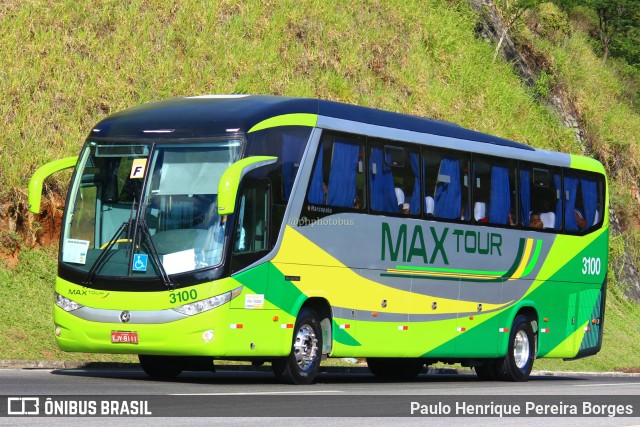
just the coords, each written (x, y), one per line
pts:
(23, 406)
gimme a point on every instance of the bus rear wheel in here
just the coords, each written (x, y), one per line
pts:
(160, 367)
(517, 364)
(301, 366)
(395, 368)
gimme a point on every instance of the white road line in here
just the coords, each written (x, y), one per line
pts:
(259, 393)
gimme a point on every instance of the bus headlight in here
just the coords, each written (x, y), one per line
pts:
(208, 304)
(65, 303)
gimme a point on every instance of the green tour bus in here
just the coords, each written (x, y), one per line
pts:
(288, 230)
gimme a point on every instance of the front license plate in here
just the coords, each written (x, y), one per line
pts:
(124, 337)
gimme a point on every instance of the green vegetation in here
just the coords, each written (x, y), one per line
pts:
(65, 65)
(68, 64)
(26, 304)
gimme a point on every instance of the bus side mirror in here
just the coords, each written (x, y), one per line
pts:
(37, 180)
(230, 181)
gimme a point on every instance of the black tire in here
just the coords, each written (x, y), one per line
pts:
(517, 364)
(160, 367)
(301, 366)
(395, 367)
(487, 371)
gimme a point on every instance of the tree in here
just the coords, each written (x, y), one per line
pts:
(617, 19)
(611, 19)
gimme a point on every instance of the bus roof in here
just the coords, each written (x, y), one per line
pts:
(206, 116)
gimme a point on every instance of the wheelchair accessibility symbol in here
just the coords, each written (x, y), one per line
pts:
(140, 262)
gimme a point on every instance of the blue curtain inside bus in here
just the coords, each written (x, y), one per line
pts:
(525, 198)
(292, 148)
(342, 177)
(316, 192)
(590, 200)
(383, 196)
(571, 189)
(414, 200)
(500, 195)
(558, 212)
(448, 199)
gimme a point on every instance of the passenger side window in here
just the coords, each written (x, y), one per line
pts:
(540, 201)
(493, 191)
(337, 179)
(446, 185)
(394, 178)
(583, 204)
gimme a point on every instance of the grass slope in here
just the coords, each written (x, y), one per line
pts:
(64, 65)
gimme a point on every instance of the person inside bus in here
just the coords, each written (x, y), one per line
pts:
(405, 208)
(535, 222)
(511, 218)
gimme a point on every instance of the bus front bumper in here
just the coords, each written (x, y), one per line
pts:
(216, 333)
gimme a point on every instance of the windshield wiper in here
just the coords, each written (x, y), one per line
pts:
(153, 252)
(132, 227)
(97, 265)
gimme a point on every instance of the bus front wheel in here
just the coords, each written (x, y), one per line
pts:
(517, 364)
(301, 366)
(160, 367)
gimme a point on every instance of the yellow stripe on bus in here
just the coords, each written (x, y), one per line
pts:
(524, 261)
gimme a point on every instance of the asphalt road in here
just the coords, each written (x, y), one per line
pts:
(337, 398)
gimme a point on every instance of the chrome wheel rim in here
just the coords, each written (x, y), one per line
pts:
(521, 349)
(305, 347)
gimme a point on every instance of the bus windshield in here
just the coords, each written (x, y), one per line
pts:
(162, 196)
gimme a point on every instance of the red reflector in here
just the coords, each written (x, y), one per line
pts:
(236, 326)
